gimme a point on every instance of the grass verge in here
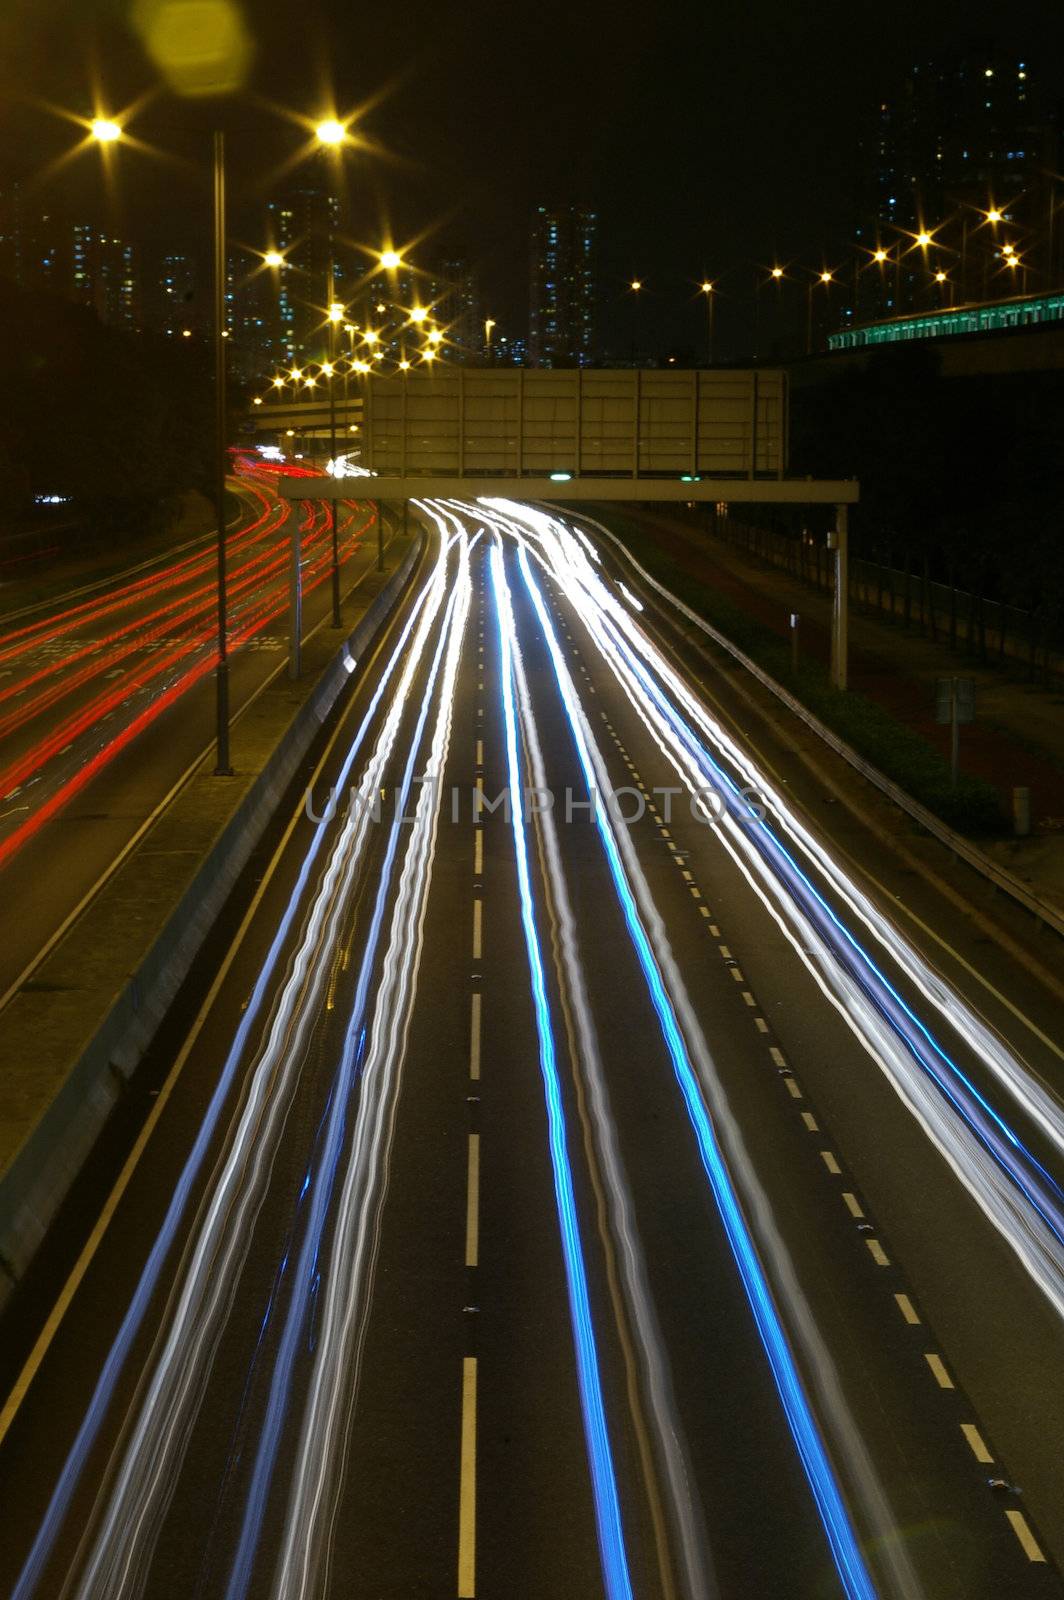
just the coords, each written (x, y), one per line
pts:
(972, 808)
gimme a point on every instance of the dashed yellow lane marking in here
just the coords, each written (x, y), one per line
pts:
(474, 1035)
(852, 1204)
(830, 1162)
(938, 1368)
(1022, 1529)
(977, 1444)
(810, 1122)
(877, 1252)
(908, 1310)
(467, 1484)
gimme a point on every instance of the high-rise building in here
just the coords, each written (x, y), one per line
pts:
(304, 226)
(100, 272)
(964, 136)
(177, 302)
(562, 287)
(456, 307)
(82, 262)
(12, 234)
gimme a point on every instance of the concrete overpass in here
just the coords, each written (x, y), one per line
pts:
(717, 435)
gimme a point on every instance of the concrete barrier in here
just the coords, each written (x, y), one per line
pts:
(40, 1173)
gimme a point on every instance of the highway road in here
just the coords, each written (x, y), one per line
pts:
(107, 699)
(574, 1176)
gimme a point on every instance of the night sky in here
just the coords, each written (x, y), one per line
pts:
(709, 137)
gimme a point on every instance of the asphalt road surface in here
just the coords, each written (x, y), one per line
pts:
(560, 1199)
(107, 700)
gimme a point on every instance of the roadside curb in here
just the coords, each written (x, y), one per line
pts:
(1044, 913)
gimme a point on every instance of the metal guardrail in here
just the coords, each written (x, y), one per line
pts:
(1040, 909)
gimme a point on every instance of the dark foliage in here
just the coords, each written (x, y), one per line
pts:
(118, 422)
(968, 471)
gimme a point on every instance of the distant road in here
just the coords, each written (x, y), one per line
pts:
(106, 700)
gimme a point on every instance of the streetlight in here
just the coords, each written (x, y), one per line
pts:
(709, 290)
(418, 313)
(106, 131)
(273, 258)
(489, 323)
(390, 260)
(635, 286)
(824, 277)
(331, 134)
(435, 336)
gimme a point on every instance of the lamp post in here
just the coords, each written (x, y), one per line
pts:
(222, 766)
(104, 132)
(635, 286)
(336, 313)
(709, 289)
(825, 278)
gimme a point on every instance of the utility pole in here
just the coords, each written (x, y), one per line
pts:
(839, 542)
(222, 767)
(336, 621)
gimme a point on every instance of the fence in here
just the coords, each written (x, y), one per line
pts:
(990, 631)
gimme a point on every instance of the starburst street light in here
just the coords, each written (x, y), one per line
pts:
(330, 132)
(371, 336)
(435, 336)
(994, 215)
(879, 255)
(418, 313)
(278, 382)
(273, 258)
(825, 276)
(104, 131)
(940, 277)
(777, 273)
(390, 259)
(636, 284)
(707, 287)
(404, 365)
(923, 238)
(336, 312)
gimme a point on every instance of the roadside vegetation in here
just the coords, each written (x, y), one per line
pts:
(973, 808)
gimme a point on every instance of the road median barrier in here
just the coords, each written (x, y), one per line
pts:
(72, 1036)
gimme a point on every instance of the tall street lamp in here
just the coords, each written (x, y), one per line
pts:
(709, 289)
(331, 135)
(104, 131)
(824, 278)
